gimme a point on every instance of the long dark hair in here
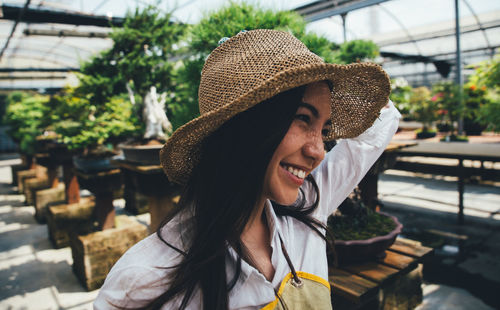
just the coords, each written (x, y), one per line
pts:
(222, 193)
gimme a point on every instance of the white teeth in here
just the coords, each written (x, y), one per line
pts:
(296, 172)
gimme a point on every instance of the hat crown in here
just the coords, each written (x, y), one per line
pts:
(247, 60)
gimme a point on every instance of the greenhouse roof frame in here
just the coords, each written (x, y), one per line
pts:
(400, 47)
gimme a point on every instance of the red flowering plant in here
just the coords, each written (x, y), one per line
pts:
(446, 96)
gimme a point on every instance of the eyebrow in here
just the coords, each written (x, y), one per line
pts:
(314, 111)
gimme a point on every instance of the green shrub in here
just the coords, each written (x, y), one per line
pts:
(26, 118)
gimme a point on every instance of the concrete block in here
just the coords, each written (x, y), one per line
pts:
(21, 176)
(48, 197)
(65, 218)
(404, 293)
(31, 186)
(94, 254)
(14, 170)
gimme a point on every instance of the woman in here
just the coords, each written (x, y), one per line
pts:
(249, 232)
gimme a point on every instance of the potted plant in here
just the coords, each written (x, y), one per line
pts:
(90, 132)
(25, 120)
(424, 111)
(486, 78)
(360, 233)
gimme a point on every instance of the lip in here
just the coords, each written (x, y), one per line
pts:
(293, 179)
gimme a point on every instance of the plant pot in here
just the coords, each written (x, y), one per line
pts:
(363, 250)
(89, 165)
(142, 154)
(425, 134)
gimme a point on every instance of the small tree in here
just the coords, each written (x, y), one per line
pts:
(26, 118)
(424, 109)
(141, 51)
(226, 22)
(91, 129)
(446, 97)
(486, 79)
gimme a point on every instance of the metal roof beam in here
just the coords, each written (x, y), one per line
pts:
(323, 9)
(439, 34)
(64, 33)
(9, 70)
(38, 15)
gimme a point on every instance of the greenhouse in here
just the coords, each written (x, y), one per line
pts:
(161, 154)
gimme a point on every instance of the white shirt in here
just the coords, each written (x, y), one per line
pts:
(139, 276)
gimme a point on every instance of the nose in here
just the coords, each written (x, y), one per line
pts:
(314, 148)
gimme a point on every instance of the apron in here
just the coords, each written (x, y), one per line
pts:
(301, 290)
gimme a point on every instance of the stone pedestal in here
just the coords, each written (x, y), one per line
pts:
(31, 186)
(63, 218)
(94, 254)
(22, 176)
(48, 197)
(14, 170)
(404, 293)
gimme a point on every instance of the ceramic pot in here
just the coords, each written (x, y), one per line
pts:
(142, 154)
(364, 250)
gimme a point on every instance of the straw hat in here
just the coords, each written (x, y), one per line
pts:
(256, 65)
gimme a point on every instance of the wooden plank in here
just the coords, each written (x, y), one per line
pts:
(352, 287)
(98, 174)
(413, 250)
(147, 169)
(398, 261)
(373, 271)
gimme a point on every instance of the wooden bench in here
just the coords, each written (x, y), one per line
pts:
(367, 285)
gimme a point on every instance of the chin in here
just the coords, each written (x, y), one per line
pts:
(287, 199)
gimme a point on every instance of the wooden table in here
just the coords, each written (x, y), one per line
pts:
(151, 181)
(358, 285)
(454, 150)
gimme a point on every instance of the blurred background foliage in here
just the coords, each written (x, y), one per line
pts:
(151, 50)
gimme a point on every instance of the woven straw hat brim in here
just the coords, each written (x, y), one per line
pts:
(359, 92)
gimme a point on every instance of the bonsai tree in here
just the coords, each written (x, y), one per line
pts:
(25, 117)
(446, 97)
(140, 60)
(91, 129)
(486, 78)
(226, 22)
(424, 110)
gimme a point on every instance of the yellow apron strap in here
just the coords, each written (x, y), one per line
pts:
(313, 293)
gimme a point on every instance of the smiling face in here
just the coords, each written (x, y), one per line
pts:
(301, 150)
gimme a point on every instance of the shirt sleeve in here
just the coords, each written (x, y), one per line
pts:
(348, 162)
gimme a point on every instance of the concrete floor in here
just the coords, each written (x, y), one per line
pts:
(464, 273)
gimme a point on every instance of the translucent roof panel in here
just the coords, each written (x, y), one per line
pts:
(406, 27)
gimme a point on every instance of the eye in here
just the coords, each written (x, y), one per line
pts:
(303, 117)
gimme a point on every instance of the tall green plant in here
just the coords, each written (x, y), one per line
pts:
(486, 78)
(85, 127)
(26, 118)
(227, 22)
